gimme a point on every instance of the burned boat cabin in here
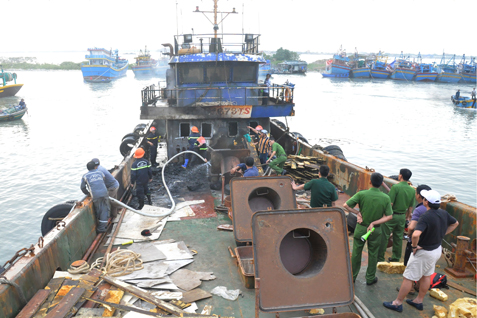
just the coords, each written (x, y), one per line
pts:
(214, 86)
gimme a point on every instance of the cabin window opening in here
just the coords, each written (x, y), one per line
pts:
(245, 72)
(233, 129)
(253, 124)
(217, 73)
(206, 129)
(191, 73)
(184, 129)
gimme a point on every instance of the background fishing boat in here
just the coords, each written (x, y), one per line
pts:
(360, 64)
(447, 71)
(7, 90)
(103, 66)
(403, 69)
(145, 64)
(338, 66)
(292, 67)
(468, 70)
(425, 72)
(12, 113)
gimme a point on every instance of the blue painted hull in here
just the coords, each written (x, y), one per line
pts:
(341, 75)
(98, 73)
(144, 71)
(360, 72)
(446, 77)
(425, 77)
(380, 74)
(271, 111)
(339, 69)
(403, 74)
(469, 78)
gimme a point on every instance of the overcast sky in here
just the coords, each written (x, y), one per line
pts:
(317, 26)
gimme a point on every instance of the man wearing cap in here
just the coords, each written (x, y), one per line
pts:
(111, 184)
(374, 210)
(457, 94)
(248, 168)
(278, 163)
(402, 197)
(323, 192)
(426, 250)
(263, 145)
(141, 174)
(152, 140)
(92, 183)
(192, 139)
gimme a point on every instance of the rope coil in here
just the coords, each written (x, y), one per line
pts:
(119, 263)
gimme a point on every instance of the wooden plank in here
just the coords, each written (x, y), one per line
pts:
(461, 288)
(34, 304)
(66, 303)
(98, 294)
(145, 296)
(53, 286)
(293, 164)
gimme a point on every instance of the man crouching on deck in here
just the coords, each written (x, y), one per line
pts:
(426, 250)
(374, 210)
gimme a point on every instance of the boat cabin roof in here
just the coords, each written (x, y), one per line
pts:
(214, 57)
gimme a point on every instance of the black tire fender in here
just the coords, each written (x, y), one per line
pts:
(139, 129)
(58, 211)
(464, 103)
(335, 151)
(126, 145)
(135, 136)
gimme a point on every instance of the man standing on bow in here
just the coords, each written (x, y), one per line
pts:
(92, 183)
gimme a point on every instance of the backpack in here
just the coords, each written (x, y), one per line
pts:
(438, 281)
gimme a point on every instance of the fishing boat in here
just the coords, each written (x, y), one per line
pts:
(145, 65)
(12, 113)
(403, 69)
(360, 65)
(447, 70)
(103, 66)
(162, 65)
(265, 69)
(338, 66)
(7, 90)
(216, 91)
(291, 67)
(468, 70)
(425, 72)
(463, 102)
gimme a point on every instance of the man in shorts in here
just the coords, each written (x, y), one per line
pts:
(426, 246)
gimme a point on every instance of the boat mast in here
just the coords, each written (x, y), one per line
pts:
(215, 23)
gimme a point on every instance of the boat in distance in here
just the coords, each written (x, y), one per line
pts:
(12, 113)
(7, 90)
(145, 64)
(103, 66)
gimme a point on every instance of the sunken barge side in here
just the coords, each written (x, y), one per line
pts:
(66, 243)
(351, 179)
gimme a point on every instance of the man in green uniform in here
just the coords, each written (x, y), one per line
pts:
(402, 197)
(323, 192)
(277, 164)
(374, 210)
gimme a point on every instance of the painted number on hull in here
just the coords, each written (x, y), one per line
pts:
(233, 111)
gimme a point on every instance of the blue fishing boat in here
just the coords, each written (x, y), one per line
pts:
(403, 69)
(103, 66)
(265, 69)
(425, 72)
(145, 65)
(360, 65)
(12, 112)
(467, 70)
(337, 66)
(463, 102)
(447, 71)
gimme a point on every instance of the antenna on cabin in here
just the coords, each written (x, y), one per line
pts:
(177, 21)
(215, 24)
(243, 13)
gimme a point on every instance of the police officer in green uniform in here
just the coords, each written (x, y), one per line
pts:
(374, 210)
(403, 200)
(323, 192)
(278, 163)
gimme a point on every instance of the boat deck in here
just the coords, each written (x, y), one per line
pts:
(200, 234)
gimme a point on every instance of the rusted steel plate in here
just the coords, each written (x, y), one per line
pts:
(113, 296)
(66, 303)
(321, 234)
(253, 194)
(34, 304)
(53, 287)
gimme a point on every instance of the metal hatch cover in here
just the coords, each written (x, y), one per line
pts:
(302, 259)
(253, 194)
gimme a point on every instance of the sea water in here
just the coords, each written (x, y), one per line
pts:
(381, 124)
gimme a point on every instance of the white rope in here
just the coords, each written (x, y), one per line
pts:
(119, 263)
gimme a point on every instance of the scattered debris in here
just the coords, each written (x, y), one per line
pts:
(319, 311)
(194, 295)
(225, 227)
(175, 251)
(227, 294)
(392, 267)
(466, 307)
(207, 310)
(187, 280)
(303, 169)
(440, 312)
(438, 294)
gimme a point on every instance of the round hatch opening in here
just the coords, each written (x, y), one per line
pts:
(264, 199)
(303, 252)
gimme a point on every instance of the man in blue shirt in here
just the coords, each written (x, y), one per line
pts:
(248, 168)
(92, 183)
(22, 104)
(111, 184)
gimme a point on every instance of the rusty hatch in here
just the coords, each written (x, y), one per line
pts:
(302, 259)
(253, 194)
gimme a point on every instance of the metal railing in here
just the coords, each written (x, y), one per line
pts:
(224, 43)
(216, 95)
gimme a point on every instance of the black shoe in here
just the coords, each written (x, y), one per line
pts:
(373, 282)
(389, 305)
(391, 260)
(284, 172)
(416, 305)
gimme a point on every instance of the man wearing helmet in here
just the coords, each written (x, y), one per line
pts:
(152, 141)
(141, 174)
(194, 135)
